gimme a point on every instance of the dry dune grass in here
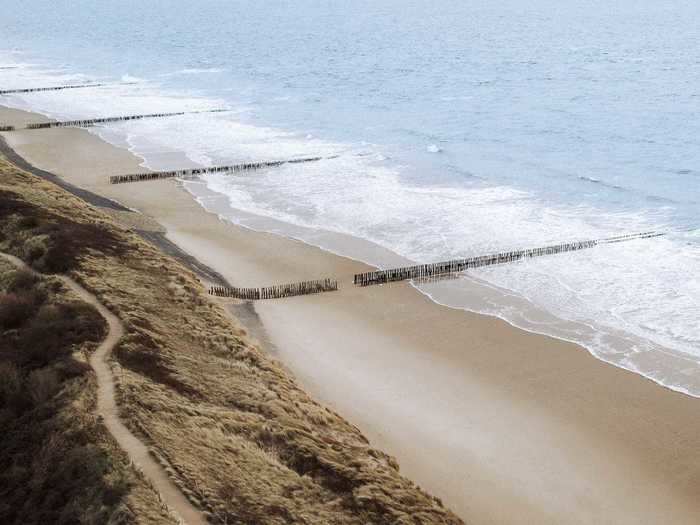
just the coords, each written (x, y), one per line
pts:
(58, 464)
(234, 430)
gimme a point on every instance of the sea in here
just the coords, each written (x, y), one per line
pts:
(448, 129)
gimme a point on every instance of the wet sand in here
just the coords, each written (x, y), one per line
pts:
(505, 426)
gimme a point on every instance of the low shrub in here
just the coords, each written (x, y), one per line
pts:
(10, 384)
(11, 204)
(67, 240)
(55, 329)
(16, 309)
(27, 222)
(35, 248)
(21, 280)
(54, 473)
(42, 385)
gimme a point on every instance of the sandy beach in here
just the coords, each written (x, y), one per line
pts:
(503, 425)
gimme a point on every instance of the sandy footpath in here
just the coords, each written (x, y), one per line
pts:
(505, 426)
(138, 453)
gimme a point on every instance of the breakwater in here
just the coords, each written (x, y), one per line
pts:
(103, 120)
(277, 291)
(50, 88)
(245, 166)
(632, 236)
(423, 271)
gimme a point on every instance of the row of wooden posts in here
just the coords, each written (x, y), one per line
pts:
(158, 175)
(628, 237)
(421, 271)
(51, 88)
(103, 120)
(269, 292)
(277, 291)
(424, 271)
(83, 123)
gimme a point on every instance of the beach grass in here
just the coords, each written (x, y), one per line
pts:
(232, 428)
(58, 464)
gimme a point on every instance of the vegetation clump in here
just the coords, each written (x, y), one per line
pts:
(51, 243)
(58, 464)
(51, 469)
(233, 429)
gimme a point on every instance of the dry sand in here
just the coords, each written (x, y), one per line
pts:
(505, 426)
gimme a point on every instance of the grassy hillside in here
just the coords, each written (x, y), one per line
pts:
(57, 463)
(233, 429)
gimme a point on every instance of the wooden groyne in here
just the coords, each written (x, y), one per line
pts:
(631, 236)
(103, 120)
(277, 291)
(246, 166)
(426, 271)
(51, 88)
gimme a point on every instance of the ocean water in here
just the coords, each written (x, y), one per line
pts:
(460, 128)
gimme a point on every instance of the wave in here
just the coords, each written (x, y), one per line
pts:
(635, 290)
(651, 198)
(595, 180)
(197, 71)
(132, 79)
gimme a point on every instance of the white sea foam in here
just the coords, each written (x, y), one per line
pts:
(132, 79)
(627, 303)
(197, 71)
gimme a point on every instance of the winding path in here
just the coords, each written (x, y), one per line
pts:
(107, 407)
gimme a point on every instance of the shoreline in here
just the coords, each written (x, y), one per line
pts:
(504, 425)
(619, 348)
(232, 429)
